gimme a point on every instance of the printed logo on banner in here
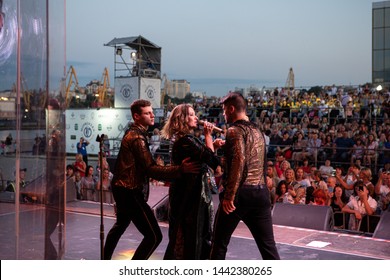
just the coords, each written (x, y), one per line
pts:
(82, 116)
(87, 130)
(127, 91)
(109, 128)
(150, 92)
(72, 116)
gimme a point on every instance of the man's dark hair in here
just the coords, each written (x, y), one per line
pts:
(136, 106)
(236, 100)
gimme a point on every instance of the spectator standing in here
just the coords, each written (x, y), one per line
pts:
(88, 185)
(155, 141)
(79, 165)
(106, 183)
(82, 149)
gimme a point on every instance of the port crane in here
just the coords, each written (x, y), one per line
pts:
(71, 79)
(104, 89)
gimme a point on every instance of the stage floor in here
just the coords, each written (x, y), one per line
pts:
(83, 238)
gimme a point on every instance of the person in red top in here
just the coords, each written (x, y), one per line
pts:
(79, 165)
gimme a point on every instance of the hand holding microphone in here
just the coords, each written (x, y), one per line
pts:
(214, 128)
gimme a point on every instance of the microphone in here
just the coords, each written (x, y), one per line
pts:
(215, 129)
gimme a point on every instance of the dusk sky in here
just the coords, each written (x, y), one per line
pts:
(325, 42)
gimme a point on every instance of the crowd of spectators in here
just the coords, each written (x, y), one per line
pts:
(330, 148)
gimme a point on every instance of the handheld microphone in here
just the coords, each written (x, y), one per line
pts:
(215, 129)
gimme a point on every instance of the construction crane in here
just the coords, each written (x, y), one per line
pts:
(290, 83)
(103, 89)
(71, 79)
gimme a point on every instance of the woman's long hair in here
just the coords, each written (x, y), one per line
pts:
(177, 123)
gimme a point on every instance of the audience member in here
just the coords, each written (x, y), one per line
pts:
(382, 191)
(280, 192)
(337, 202)
(360, 204)
(320, 197)
(79, 165)
(82, 149)
(326, 169)
(106, 183)
(155, 141)
(88, 185)
(295, 193)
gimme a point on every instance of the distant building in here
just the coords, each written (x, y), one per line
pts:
(178, 88)
(381, 43)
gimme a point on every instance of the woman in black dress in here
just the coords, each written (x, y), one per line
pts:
(190, 200)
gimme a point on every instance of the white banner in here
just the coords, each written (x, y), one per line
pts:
(126, 91)
(89, 123)
(151, 90)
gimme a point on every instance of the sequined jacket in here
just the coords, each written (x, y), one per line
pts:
(135, 164)
(245, 155)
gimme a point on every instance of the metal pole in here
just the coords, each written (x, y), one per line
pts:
(101, 199)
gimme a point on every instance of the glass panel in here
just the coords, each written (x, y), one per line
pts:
(387, 60)
(378, 18)
(378, 61)
(387, 38)
(387, 17)
(378, 77)
(27, 77)
(378, 38)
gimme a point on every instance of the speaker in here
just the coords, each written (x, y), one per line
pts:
(303, 216)
(382, 230)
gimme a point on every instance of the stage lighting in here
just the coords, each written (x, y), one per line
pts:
(119, 51)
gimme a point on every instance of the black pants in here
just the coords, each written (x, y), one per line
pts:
(253, 207)
(131, 206)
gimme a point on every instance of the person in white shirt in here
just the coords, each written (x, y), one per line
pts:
(359, 205)
(326, 170)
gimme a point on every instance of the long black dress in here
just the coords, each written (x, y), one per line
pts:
(190, 203)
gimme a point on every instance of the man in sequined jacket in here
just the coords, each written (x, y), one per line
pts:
(245, 196)
(134, 166)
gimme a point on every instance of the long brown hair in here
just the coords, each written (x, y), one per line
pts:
(177, 123)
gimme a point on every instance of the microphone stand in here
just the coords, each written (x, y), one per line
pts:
(101, 148)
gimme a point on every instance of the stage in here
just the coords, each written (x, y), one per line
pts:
(82, 237)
